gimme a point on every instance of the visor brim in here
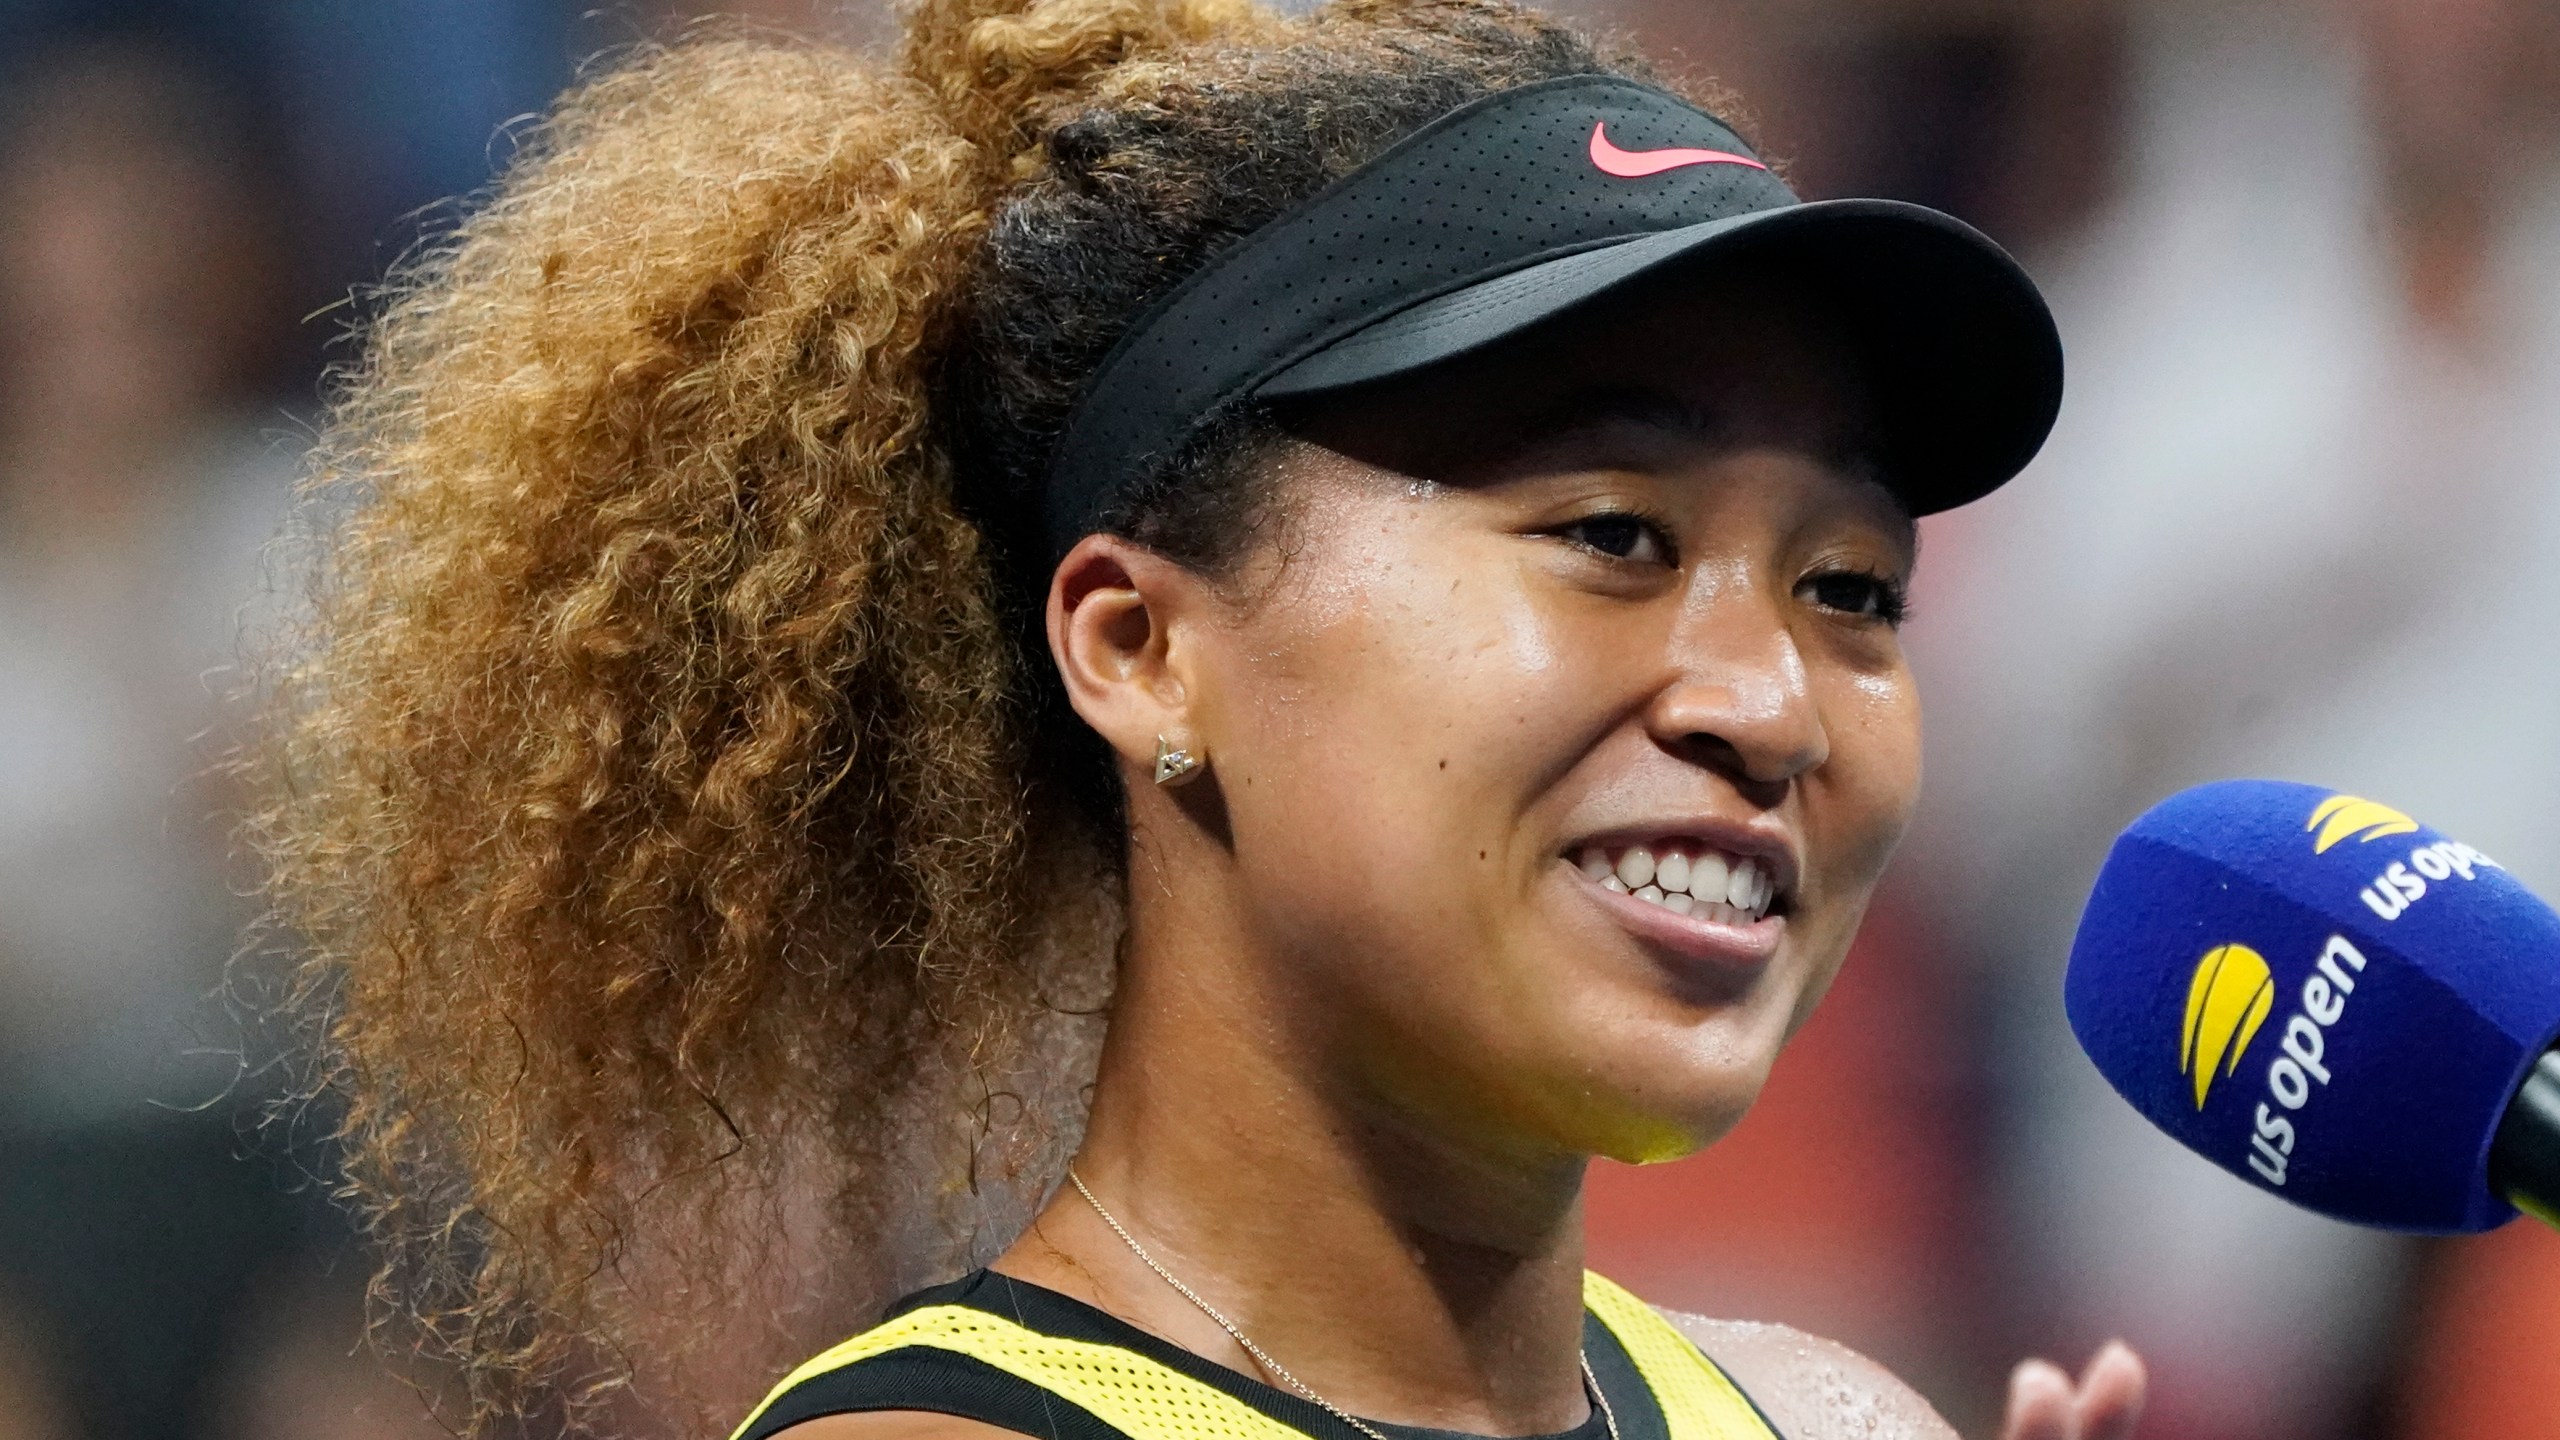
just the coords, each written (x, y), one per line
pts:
(1962, 354)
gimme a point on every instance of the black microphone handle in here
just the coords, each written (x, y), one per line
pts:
(2524, 1161)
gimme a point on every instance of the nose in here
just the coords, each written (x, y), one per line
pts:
(1740, 701)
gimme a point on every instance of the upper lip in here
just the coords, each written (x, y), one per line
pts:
(1769, 846)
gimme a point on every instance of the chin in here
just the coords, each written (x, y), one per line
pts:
(1660, 1141)
(1670, 1120)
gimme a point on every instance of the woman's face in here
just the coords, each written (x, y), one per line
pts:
(1562, 729)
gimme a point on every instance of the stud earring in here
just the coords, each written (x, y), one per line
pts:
(1174, 767)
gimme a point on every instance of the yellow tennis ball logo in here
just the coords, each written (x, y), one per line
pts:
(2226, 1003)
(2340, 816)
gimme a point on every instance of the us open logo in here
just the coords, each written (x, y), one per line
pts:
(2226, 1003)
(2340, 816)
(2401, 883)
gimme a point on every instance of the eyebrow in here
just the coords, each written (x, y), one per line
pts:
(1591, 411)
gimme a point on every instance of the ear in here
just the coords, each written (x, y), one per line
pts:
(1124, 630)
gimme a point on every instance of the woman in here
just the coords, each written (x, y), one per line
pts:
(1406, 511)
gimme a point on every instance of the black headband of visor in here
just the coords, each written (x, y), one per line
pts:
(1521, 207)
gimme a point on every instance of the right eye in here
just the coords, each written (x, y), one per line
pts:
(1620, 536)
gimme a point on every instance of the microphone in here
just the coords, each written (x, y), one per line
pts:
(2331, 1001)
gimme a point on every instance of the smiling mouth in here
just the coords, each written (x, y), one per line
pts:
(1685, 878)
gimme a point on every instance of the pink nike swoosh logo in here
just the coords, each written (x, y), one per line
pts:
(1637, 164)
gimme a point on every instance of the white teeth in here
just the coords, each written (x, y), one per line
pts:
(1671, 872)
(1707, 878)
(1708, 885)
(1636, 867)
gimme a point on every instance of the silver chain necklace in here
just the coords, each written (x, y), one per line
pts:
(1591, 1382)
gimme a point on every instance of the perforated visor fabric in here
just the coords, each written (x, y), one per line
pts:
(1966, 376)
(1511, 212)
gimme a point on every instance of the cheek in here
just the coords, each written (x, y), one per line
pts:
(1877, 752)
(1857, 807)
(1387, 732)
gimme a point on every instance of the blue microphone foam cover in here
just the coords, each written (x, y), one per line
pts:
(2322, 996)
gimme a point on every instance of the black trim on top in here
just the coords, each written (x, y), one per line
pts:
(947, 1382)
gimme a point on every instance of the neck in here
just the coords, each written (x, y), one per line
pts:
(1403, 1273)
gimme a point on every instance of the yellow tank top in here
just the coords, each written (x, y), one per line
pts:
(1028, 1359)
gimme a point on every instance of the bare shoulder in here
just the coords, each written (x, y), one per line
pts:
(896, 1425)
(1814, 1389)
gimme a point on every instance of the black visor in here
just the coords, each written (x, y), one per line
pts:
(1526, 205)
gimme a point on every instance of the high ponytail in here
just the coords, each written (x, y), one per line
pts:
(997, 66)
(655, 789)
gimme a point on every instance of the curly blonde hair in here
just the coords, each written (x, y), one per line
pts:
(685, 840)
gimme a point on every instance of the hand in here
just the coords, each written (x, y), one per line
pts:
(2045, 1405)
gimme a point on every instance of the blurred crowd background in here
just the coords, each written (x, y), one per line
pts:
(2306, 255)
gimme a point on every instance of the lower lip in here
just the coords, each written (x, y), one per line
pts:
(1738, 950)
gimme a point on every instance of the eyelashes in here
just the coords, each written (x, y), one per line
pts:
(1628, 535)
(1861, 593)
(1634, 538)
